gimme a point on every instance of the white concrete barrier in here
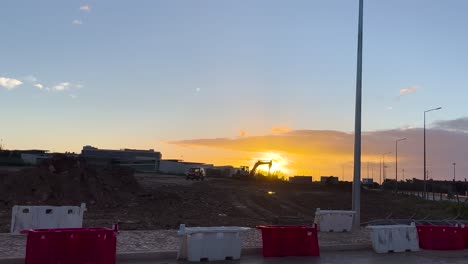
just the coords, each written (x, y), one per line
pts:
(334, 220)
(25, 217)
(210, 243)
(394, 238)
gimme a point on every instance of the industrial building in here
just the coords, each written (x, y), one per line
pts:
(179, 167)
(140, 160)
(300, 179)
(23, 157)
(329, 179)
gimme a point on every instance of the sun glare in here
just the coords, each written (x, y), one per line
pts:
(280, 162)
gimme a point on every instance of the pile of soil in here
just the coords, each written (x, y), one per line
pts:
(68, 180)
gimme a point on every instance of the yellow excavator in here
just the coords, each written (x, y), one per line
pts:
(244, 173)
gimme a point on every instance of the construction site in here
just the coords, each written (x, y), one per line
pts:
(142, 201)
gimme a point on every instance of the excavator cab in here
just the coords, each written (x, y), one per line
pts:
(244, 173)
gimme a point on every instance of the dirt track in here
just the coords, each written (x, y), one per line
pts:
(167, 201)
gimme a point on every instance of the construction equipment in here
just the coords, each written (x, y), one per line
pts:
(261, 162)
(244, 173)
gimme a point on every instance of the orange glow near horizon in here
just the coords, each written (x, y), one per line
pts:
(280, 163)
(286, 163)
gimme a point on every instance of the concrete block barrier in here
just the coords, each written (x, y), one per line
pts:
(334, 220)
(210, 243)
(394, 238)
(45, 217)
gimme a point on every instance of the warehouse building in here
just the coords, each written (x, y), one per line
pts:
(140, 160)
(179, 167)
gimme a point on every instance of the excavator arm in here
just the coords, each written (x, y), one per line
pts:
(261, 162)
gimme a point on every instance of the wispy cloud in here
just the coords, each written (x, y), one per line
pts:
(77, 22)
(30, 78)
(86, 8)
(9, 83)
(459, 124)
(39, 86)
(73, 96)
(282, 128)
(408, 90)
(63, 86)
(328, 150)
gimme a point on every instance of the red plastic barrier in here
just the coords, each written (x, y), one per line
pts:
(465, 235)
(440, 237)
(283, 241)
(71, 246)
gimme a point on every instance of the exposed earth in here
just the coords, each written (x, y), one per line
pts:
(164, 201)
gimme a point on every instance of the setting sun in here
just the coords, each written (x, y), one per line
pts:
(280, 162)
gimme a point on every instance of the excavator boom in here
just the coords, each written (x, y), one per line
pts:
(261, 162)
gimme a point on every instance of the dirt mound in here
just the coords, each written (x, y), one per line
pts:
(68, 180)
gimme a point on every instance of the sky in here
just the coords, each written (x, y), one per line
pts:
(207, 80)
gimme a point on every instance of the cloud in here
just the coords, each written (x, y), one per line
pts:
(389, 108)
(243, 133)
(86, 8)
(408, 90)
(283, 128)
(328, 150)
(73, 96)
(39, 86)
(77, 22)
(458, 125)
(63, 86)
(9, 83)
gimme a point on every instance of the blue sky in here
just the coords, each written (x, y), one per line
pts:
(140, 73)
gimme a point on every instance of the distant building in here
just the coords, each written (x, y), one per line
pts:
(367, 181)
(179, 167)
(300, 179)
(220, 171)
(23, 157)
(140, 160)
(329, 179)
(34, 159)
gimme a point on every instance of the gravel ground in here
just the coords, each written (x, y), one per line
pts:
(164, 240)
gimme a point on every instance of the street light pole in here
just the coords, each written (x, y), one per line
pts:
(380, 172)
(425, 177)
(454, 171)
(356, 200)
(396, 163)
(383, 168)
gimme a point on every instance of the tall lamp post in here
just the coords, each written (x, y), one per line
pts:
(356, 200)
(454, 171)
(396, 163)
(382, 167)
(425, 177)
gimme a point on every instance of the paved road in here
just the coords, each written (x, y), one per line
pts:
(360, 257)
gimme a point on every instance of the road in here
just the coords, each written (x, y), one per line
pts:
(361, 257)
(438, 196)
